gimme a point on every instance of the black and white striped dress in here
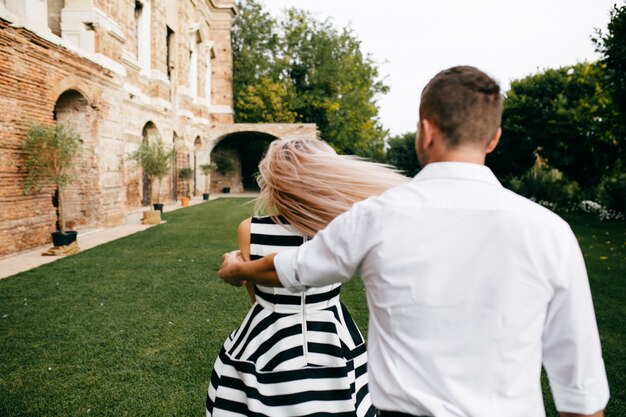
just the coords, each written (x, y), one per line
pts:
(294, 354)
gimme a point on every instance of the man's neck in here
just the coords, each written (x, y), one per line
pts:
(471, 156)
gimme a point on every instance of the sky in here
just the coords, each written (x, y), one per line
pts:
(412, 40)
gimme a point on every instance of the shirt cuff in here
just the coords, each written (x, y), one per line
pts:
(587, 401)
(284, 264)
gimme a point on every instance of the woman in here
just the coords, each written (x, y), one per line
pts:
(297, 354)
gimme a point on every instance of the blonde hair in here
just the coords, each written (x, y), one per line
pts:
(309, 184)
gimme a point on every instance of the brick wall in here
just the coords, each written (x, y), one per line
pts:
(102, 94)
(31, 68)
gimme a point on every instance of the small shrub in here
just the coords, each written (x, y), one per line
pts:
(546, 185)
(185, 174)
(612, 193)
(223, 163)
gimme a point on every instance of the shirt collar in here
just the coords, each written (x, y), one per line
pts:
(457, 170)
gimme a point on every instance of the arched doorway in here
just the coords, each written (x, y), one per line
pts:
(182, 161)
(149, 134)
(237, 156)
(81, 197)
(176, 140)
(197, 147)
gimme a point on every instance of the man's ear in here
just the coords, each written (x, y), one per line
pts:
(428, 133)
(491, 145)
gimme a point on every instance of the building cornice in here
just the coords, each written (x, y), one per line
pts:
(223, 5)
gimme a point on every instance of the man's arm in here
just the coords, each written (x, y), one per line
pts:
(331, 257)
(235, 271)
(572, 355)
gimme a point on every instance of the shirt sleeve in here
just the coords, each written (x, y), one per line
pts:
(572, 355)
(332, 256)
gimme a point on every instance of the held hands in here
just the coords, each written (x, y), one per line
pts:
(229, 270)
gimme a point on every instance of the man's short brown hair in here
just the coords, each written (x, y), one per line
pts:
(464, 103)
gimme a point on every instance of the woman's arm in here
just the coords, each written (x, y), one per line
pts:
(243, 237)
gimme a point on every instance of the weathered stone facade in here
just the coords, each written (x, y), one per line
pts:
(119, 72)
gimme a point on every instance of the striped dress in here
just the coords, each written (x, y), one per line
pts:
(295, 354)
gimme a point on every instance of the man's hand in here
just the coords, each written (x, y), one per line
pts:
(229, 270)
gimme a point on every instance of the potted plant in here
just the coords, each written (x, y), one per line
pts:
(185, 175)
(50, 153)
(206, 171)
(224, 165)
(156, 162)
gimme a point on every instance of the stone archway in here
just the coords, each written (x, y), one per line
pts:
(197, 148)
(149, 134)
(237, 157)
(182, 161)
(176, 143)
(82, 195)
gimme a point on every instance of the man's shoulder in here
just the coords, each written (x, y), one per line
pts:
(385, 200)
(532, 211)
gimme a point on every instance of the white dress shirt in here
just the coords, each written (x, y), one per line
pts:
(470, 288)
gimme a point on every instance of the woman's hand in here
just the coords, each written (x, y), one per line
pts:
(229, 271)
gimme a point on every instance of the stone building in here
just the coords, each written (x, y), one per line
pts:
(120, 72)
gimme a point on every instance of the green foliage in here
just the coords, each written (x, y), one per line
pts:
(206, 171)
(267, 101)
(155, 160)
(401, 153)
(301, 69)
(208, 168)
(185, 174)
(566, 117)
(49, 155)
(50, 152)
(223, 163)
(612, 45)
(612, 192)
(547, 185)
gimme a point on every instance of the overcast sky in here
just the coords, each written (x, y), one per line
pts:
(412, 40)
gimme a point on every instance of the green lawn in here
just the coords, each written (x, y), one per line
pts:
(131, 328)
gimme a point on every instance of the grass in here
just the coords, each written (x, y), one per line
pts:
(132, 327)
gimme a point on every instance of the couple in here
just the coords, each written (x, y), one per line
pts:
(471, 288)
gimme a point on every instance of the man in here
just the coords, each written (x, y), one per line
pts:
(470, 287)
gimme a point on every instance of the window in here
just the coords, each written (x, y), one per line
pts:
(170, 59)
(142, 21)
(209, 73)
(196, 39)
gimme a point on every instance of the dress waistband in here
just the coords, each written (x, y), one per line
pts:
(293, 303)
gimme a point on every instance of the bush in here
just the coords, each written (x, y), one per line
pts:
(223, 163)
(612, 193)
(546, 185)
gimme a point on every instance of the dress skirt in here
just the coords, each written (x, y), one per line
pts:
(294, 355)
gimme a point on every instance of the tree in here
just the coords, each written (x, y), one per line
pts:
(257, 89)
(266, 100)
(612, 45)
(301, 69)
(155, 161)
(206, 171)
(401, 153)
(566, 117)
(50, 153)
(185, 175)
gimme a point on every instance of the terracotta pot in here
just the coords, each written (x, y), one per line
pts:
(184, 201)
